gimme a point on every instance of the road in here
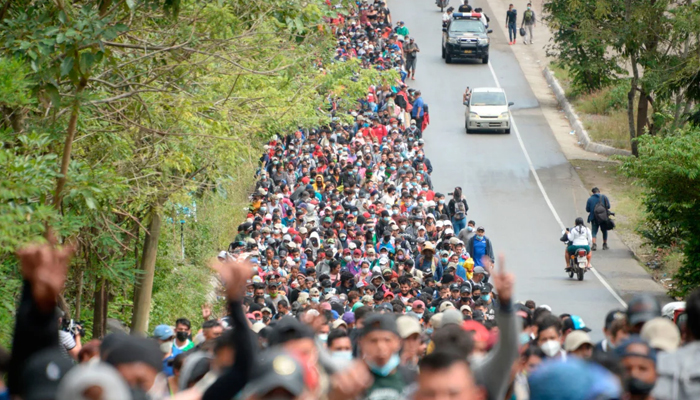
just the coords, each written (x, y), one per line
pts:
(500, 187)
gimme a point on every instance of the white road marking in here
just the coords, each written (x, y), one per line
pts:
(546, 197)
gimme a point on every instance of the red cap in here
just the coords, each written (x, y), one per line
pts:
(387, 294)
(357, 252)
(346, 251)
(481, 334)
(309, 263)
(366, 215)
(305, 180)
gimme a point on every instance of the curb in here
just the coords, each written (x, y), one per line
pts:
(575, 121)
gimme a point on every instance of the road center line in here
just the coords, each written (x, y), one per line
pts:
(546, 197)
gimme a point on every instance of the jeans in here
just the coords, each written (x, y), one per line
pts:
(594, 229)
(512, 31)
(459, 224)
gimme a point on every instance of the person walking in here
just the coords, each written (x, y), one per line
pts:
(411, 51)
(595, 219)
(512, 24)
(529, 21)
(418, 111)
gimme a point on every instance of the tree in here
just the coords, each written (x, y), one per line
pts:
(668, 167)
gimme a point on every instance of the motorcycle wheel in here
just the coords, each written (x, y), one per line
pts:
(571, 272)
(580, 273)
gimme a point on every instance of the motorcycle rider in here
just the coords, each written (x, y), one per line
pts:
(579, 238)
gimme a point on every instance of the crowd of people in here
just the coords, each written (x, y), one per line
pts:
(354, 278)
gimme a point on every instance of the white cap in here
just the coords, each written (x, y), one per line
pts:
(407, 326)
(223, 254)
(258, 326)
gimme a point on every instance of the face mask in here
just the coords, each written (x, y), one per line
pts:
(428, 331)
(348, 258)
(357, 260)
(365, 270)
(524, 338)
(638, 387)
(444, 260)
(551, 347)
(403, 227)
(485, 297)
(466, 299)
(165, 347)
(419, 315)
(322, 337)
(314, 299)
(342, 355)
(386, 369)
(249, 294)
(371, 259)
(480, 237)
(441, 201)
(470, 228)
(273, 294)
(181, 336)
(476, 297)
(417, 224)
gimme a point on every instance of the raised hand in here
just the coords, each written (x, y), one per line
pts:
(234, 275)
(45, 267)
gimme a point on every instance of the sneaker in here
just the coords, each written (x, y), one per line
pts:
(605, 246)
(594, 247)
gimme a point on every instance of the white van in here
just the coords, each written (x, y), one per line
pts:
(488, 110)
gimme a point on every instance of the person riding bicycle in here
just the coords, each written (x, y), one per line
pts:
(579, 238)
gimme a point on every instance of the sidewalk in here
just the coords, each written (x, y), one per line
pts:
(533, 59)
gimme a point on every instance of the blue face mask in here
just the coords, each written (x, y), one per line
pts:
(485, 297)
(444, 261)
(419, 315)
(480, 237)
(524, 338)
(429, 331)
(470, 228)
(386, 369)
(342, 355)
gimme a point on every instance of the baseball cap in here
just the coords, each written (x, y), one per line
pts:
(622, 352)
(258, 326)
(163, 332)
(289, 328)
(575, 322)
(479, 270)
(451, 316)
(576, 339)
(418, 304)
(465, 307)
(445, 305)
(662, 334)
(42, 374)
(465, 289)
(380, 322)
(642, 308)
(385, 307)
(338, 322)
(277, 369)
(407, 326)
(578, 379)
(84, 376)
(454, 287)
(612, 316)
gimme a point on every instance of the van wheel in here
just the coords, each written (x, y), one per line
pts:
(443, 52)
(448, 58)
(485, 60)
(466, 127)
(508, 130)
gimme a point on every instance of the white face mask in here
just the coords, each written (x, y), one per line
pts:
(403, 227)
(342, 355)
(348, 258)
(551, 347)
(365, 270)
(357, 260)
(166, 347)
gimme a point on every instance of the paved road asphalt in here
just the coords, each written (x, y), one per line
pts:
(501, 190)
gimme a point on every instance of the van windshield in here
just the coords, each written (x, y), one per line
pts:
(488, 99)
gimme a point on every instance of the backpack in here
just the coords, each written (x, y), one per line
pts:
(527, 16)
(460, 212)
(600, 213)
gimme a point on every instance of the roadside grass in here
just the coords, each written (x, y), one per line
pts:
(609, 129)
(603, 112)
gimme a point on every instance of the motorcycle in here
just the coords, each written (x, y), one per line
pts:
(578, 264)
(442, 4)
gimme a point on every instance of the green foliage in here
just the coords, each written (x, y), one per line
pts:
(606, 100)
(669, 169)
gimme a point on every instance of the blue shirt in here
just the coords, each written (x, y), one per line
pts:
(416, 104)
(479, 251)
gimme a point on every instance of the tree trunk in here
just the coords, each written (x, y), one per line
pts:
(68, 145)
(144, 282)
(79, 295)
(642, 112)
(99, 319)
(630, 105)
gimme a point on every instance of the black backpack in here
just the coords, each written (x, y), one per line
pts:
(600, 212)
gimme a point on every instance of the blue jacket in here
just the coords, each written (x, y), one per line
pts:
(591, 203)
